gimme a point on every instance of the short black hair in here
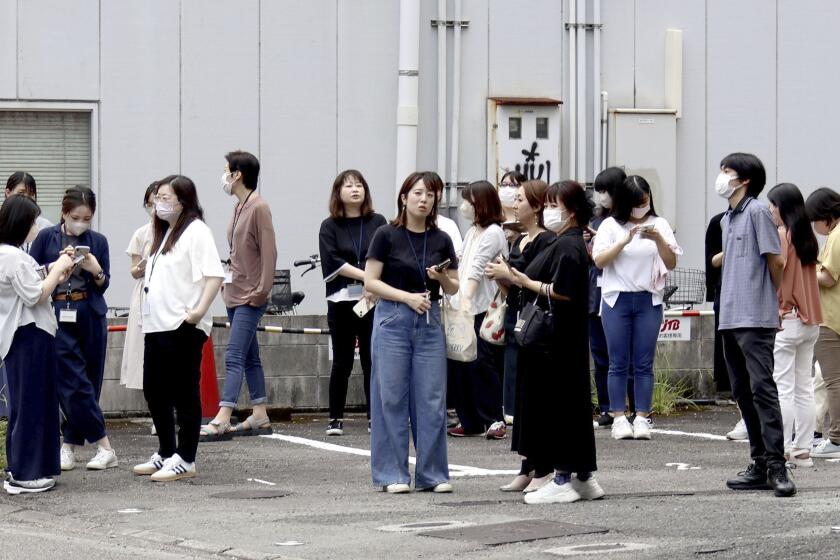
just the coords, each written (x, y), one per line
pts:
(629, 195)
(28, 181)
(247, 164)
(608, 179)
(79, 195)
(573, 196)
(515, 176)
(823, 205)
(17, 215)
(749, 167)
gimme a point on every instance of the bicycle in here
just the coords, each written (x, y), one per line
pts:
(283, 301)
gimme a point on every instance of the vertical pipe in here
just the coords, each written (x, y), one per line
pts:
(441, 90)
(572, 89)
(582, 122)
(597, 116)
(604, 132)
(456, 99)
(409, 61)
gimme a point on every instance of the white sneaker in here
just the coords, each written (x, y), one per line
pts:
(174, 468)
(104, 459)
(15, 487)
(621, 428)
(537, 483)
(826, 450)
(553, 493)
(397, 489)
(641, 428)
(739, 432)
(588, 489)
(153, 465)
(442, 488)
(68, 459)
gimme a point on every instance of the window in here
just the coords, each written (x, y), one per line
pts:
(514, 128)
(54, 146)
(542, 128)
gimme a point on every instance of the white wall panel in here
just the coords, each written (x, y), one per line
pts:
(617, 51)
(298, 133)
(59, 49)
(8, 49)
(474, 92)
(139, 119)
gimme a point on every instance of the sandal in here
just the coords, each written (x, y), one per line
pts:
(215, 428)
(251, 423)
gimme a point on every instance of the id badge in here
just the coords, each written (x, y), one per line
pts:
(599, 281)
(228, 274)
(146, 306)
(66, 315)
(355, 290)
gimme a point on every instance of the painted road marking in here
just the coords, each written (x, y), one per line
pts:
(701, 435)
(682, 466)
(267, 483)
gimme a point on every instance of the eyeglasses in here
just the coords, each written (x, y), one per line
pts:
(164, 198)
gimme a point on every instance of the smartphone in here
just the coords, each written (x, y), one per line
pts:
(362, 308)
(443, 266)
(83, 249)
(647, 228)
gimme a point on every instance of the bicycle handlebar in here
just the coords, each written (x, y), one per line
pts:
(303, 262)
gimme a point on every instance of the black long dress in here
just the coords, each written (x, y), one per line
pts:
(555, 391)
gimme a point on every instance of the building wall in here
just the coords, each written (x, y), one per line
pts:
(310, 87)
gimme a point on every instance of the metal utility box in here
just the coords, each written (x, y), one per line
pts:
(523, 134)
(644, 142)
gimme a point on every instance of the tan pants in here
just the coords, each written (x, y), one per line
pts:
(820, 397)
(827, 352)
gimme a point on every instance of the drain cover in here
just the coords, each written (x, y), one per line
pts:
(600, 548)
(423, 526)
(514, 531)
(251, 494)
(478, 503)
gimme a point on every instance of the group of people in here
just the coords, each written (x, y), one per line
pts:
(567, 275)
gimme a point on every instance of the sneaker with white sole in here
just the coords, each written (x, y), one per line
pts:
(795, 457)
(588, 489)
(68, 459)
(15, 487)
(174, 468)
(497, 430)
(335, 428)
(153, 465)
(621, 428)
(442, 488)
(826, 450)
(104, 459)
(641, 428)
(739, 432)
(553, 493)
(397, 489)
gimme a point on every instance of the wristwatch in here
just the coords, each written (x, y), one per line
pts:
(100, 276)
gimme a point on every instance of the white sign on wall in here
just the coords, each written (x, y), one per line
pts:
(675, 328)
(527, 139)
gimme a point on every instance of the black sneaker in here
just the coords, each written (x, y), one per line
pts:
(779, 481)
(753, 478)
(335, 428)
(603, 422)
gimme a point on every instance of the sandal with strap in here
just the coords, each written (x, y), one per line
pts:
(252, 426)
(215, 428)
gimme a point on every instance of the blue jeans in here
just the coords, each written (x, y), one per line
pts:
(242, 357)
(632, 328)
(408, 387)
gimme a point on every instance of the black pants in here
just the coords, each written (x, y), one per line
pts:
(478, 386)
(345, 328)
(749, 357)
(171, 376)
(720, 373)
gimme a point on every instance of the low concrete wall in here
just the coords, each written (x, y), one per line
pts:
(297, 366)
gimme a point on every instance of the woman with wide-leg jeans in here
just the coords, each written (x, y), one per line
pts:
(408, 263)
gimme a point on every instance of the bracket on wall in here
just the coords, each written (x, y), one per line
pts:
(584, 25)
(450, 23)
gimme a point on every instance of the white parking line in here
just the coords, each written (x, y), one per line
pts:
(701, 435)
(454, 470)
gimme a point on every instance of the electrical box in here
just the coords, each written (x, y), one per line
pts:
(523, 134)
(644, 142)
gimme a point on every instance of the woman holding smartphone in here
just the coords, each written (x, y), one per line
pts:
(408, 381)
(343, 242)
(82, 333)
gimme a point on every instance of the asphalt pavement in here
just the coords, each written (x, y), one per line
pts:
(302, 494)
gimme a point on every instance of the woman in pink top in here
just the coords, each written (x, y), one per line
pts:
(800, 312)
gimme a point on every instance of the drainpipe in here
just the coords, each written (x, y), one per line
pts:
(441, 97)
(603, 125)
(456, 104)
(572, 89)
(582, 144)
(597, 114)
(409, 60)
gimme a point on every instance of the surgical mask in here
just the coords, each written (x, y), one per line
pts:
(150, 210)
(507, 195)
(76, 228)
(722, 186)
(606, 200)
(467, 210)
(640, 211)
(166, 211)
(555, 219)
(227, 187)
(33, 233)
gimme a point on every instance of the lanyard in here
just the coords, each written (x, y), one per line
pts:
(421, 266)
(361, 238)
(155, 258)
(236, 215)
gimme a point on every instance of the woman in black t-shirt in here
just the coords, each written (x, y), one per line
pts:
(343, 243)
(555, 380)
(409, 262)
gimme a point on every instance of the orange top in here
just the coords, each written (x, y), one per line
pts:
(799, 289)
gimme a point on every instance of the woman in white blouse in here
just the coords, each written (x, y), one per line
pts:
(635, 248)
(27, 348)
(182, 280)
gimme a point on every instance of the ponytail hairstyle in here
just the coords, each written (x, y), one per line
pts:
(788, 199)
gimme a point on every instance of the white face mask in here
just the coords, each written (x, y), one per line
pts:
(150, 210)
(555, 219)
(33, 233)
(640, 211)
(606, 200)
(227, 187)
(76, 228)
(467, 210)
(166, 211)
(722, 186)
(507, 195)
